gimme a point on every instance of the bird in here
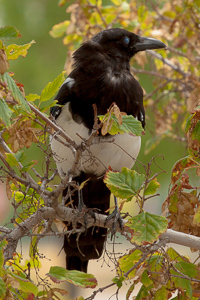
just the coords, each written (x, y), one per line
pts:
(100, 75)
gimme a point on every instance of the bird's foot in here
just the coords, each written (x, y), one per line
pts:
(116, 217)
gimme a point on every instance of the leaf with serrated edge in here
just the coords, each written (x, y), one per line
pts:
(59, 274)
(129, 124)
(181, 283)
(15, 91)
(152, 187)
(52, 87)
(124, 184)
(126, 262)
(14, 51)
(2, 288)
(5, 112)
(9, 32)
(146, 228)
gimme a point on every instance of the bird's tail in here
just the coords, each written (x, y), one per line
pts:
(75, 263)
(88, 245)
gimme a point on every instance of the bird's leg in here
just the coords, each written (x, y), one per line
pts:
(82, 208)
(116, 216)
(81, 204)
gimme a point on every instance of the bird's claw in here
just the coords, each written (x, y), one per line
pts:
(117, 219)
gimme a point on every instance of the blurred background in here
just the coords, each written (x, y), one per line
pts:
(44, 62)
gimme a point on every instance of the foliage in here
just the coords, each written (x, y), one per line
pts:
(174, 104)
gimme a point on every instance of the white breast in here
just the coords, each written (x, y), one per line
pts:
(101, 154)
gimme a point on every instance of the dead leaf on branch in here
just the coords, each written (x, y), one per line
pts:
(4, 64)
(22, 134)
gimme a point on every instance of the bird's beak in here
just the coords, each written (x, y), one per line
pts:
(148, 43)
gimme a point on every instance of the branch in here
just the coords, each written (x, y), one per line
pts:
(63, 213)
(167, 62)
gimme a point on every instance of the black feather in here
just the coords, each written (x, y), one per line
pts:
(101, 75)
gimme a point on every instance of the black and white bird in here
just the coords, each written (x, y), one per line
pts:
(101, 75)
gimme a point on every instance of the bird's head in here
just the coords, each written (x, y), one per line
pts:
(118, 42)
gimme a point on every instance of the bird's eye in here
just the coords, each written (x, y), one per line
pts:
(126, 40)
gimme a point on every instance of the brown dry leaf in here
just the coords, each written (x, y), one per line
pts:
(4, 65)
(12, 281)
(22, 134)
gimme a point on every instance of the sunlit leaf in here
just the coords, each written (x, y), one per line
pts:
(14, 51)
(11, 159)
(52, 87)
(59, 29)
(59, 274)
(146, 228)
(129, 125)
(32, 97)
(152, 187)
(126, 262)
(124, 184)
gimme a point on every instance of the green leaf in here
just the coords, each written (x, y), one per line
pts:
(146, 228)
(196, 132)
(15, 91)
(59, 274)
(11, 159)
(182, 284)
(173, 255)
(2, 288)
(19, 196)
(196, 218)
(124, 185)
(187, 269)
(129, 124)
(9, 32)
(2, 246)
(14, 51)
(32, 97)
(5, 112)
(52, 87)
(161, 294)
(25, 285)
(126, 262)
(188, 123)
(59, 29)
(20, 156)
(29, 166)
(142, 294)
(129, 292)
(118, 281)
(145, 279)
(152, 187)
